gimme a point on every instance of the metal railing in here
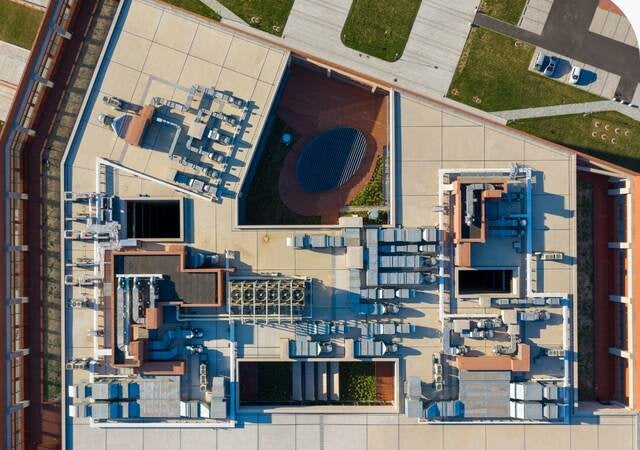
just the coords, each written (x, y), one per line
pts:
(17, 131)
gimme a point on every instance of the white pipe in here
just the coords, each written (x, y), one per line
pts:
(199, 317)
(568, 357)
(471, 316)
(233, 384)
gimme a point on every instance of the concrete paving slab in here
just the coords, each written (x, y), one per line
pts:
(413, 179)
(584, 437)
(125, 439)
(308, 437)
(176, 32)
(535, 15)
(415, 114)
(409, 435)
(164, 63)
(598, 21)
(544, 437)
(421, 143)
(7, 94)
(382, 437)
(613, 26)
(120, 81)
(198, 439)
(463, 437)
(143, 20)
(13, 60)
(277, 437)
(198, 71)
(632, 38)
(85, 435)
(541, 5)
(621, 30)
(159, 439)
(502, 147)
(536, 152)
(345, 437)
(460, 143)
(246, 57)
(131, 50)
(610, 24)
(505, 437)
(211, 44)
(531, 25)
(271, 67)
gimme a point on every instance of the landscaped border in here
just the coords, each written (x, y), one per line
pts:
(267, 15)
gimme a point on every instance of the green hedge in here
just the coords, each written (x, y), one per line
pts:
(357, 382)
(372, 194)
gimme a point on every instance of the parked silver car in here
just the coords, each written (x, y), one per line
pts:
(550, 70)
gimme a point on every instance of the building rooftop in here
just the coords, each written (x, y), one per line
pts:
(312, 297)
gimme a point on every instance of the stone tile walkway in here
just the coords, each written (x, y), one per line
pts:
(430, 57)
(573, 108)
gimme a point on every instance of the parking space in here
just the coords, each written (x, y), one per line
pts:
(592, 79)
(613, 25)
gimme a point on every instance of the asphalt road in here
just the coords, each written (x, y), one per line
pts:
(567, 32)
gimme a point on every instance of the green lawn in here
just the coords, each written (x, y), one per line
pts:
(263, 205)
(380, 28)
(266, 15)
(575, 131)
(18, 23)
(493, 75)
(506, 10)
(197, 7)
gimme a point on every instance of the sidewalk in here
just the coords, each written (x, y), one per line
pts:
(430, 57)
(573, 108)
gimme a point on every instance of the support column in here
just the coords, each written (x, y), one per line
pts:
(19, 406)
(619, 353)
(28, 131)
(18, 196)
(619, 299)
(61, 31)
(19, 353)
(619, 245)
(43, 81)
(18, 248)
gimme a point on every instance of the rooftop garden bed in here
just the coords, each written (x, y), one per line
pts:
(373, 193)
(357, 382)
(263, 205)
